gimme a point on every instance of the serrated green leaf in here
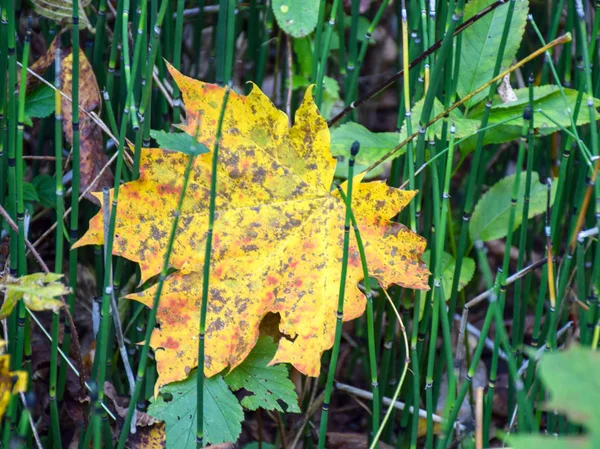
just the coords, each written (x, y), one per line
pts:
(298, 18)
(40, 103)
(492, 212)
(46, 190)
(270, 384)
(571, 377)
(223, 413)
(480, 44)
(180, 142)
(448, 266)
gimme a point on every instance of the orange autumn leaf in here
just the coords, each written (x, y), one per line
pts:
(278, 235)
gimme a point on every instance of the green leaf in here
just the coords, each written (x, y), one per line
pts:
(298, 18)
(546, 98)
(480, 44)
(304, 55)
(40, 103)
(361, 29)
(46, 190)
(29, 193)
(223, 413)
(492, 212)
(181, 142)
(464, 127)
(272, 388)
(571, 378)
(373, 145)
(448, 266)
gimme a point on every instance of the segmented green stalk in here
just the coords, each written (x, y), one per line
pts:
(75, 189)
(476, 160)
(99, 45)
(23, 323)
(177, 58)
(339, 315)
(353, 83)
(520, 304)
(58, 259)
(324, 54)
(318, 36)
(503, 273)
(206, 277)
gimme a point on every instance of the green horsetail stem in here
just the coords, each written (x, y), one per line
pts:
(324, 54)
(58, 259)
(200, 443)
(339, 314)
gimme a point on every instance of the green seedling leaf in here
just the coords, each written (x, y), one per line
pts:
(39, 104)
(29, 193)
(480, 44)
(572, 380)
(448, 266)
(38, 291)
(46, 190)
(272, 388)
(298, 18)
(223, 413)
(492, 212)
(180, 142)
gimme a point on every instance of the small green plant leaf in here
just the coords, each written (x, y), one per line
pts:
(29, 193)
(45, 186)
(272, 388)
(480, 44)
(180, 142)
(223, 413)
(491, 214)
(298, 18)
(39, 103)
(38, 291)
(373, 145)
(448, 265)
(571, 378)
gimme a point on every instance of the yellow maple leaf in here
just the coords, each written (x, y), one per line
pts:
(278, 235)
